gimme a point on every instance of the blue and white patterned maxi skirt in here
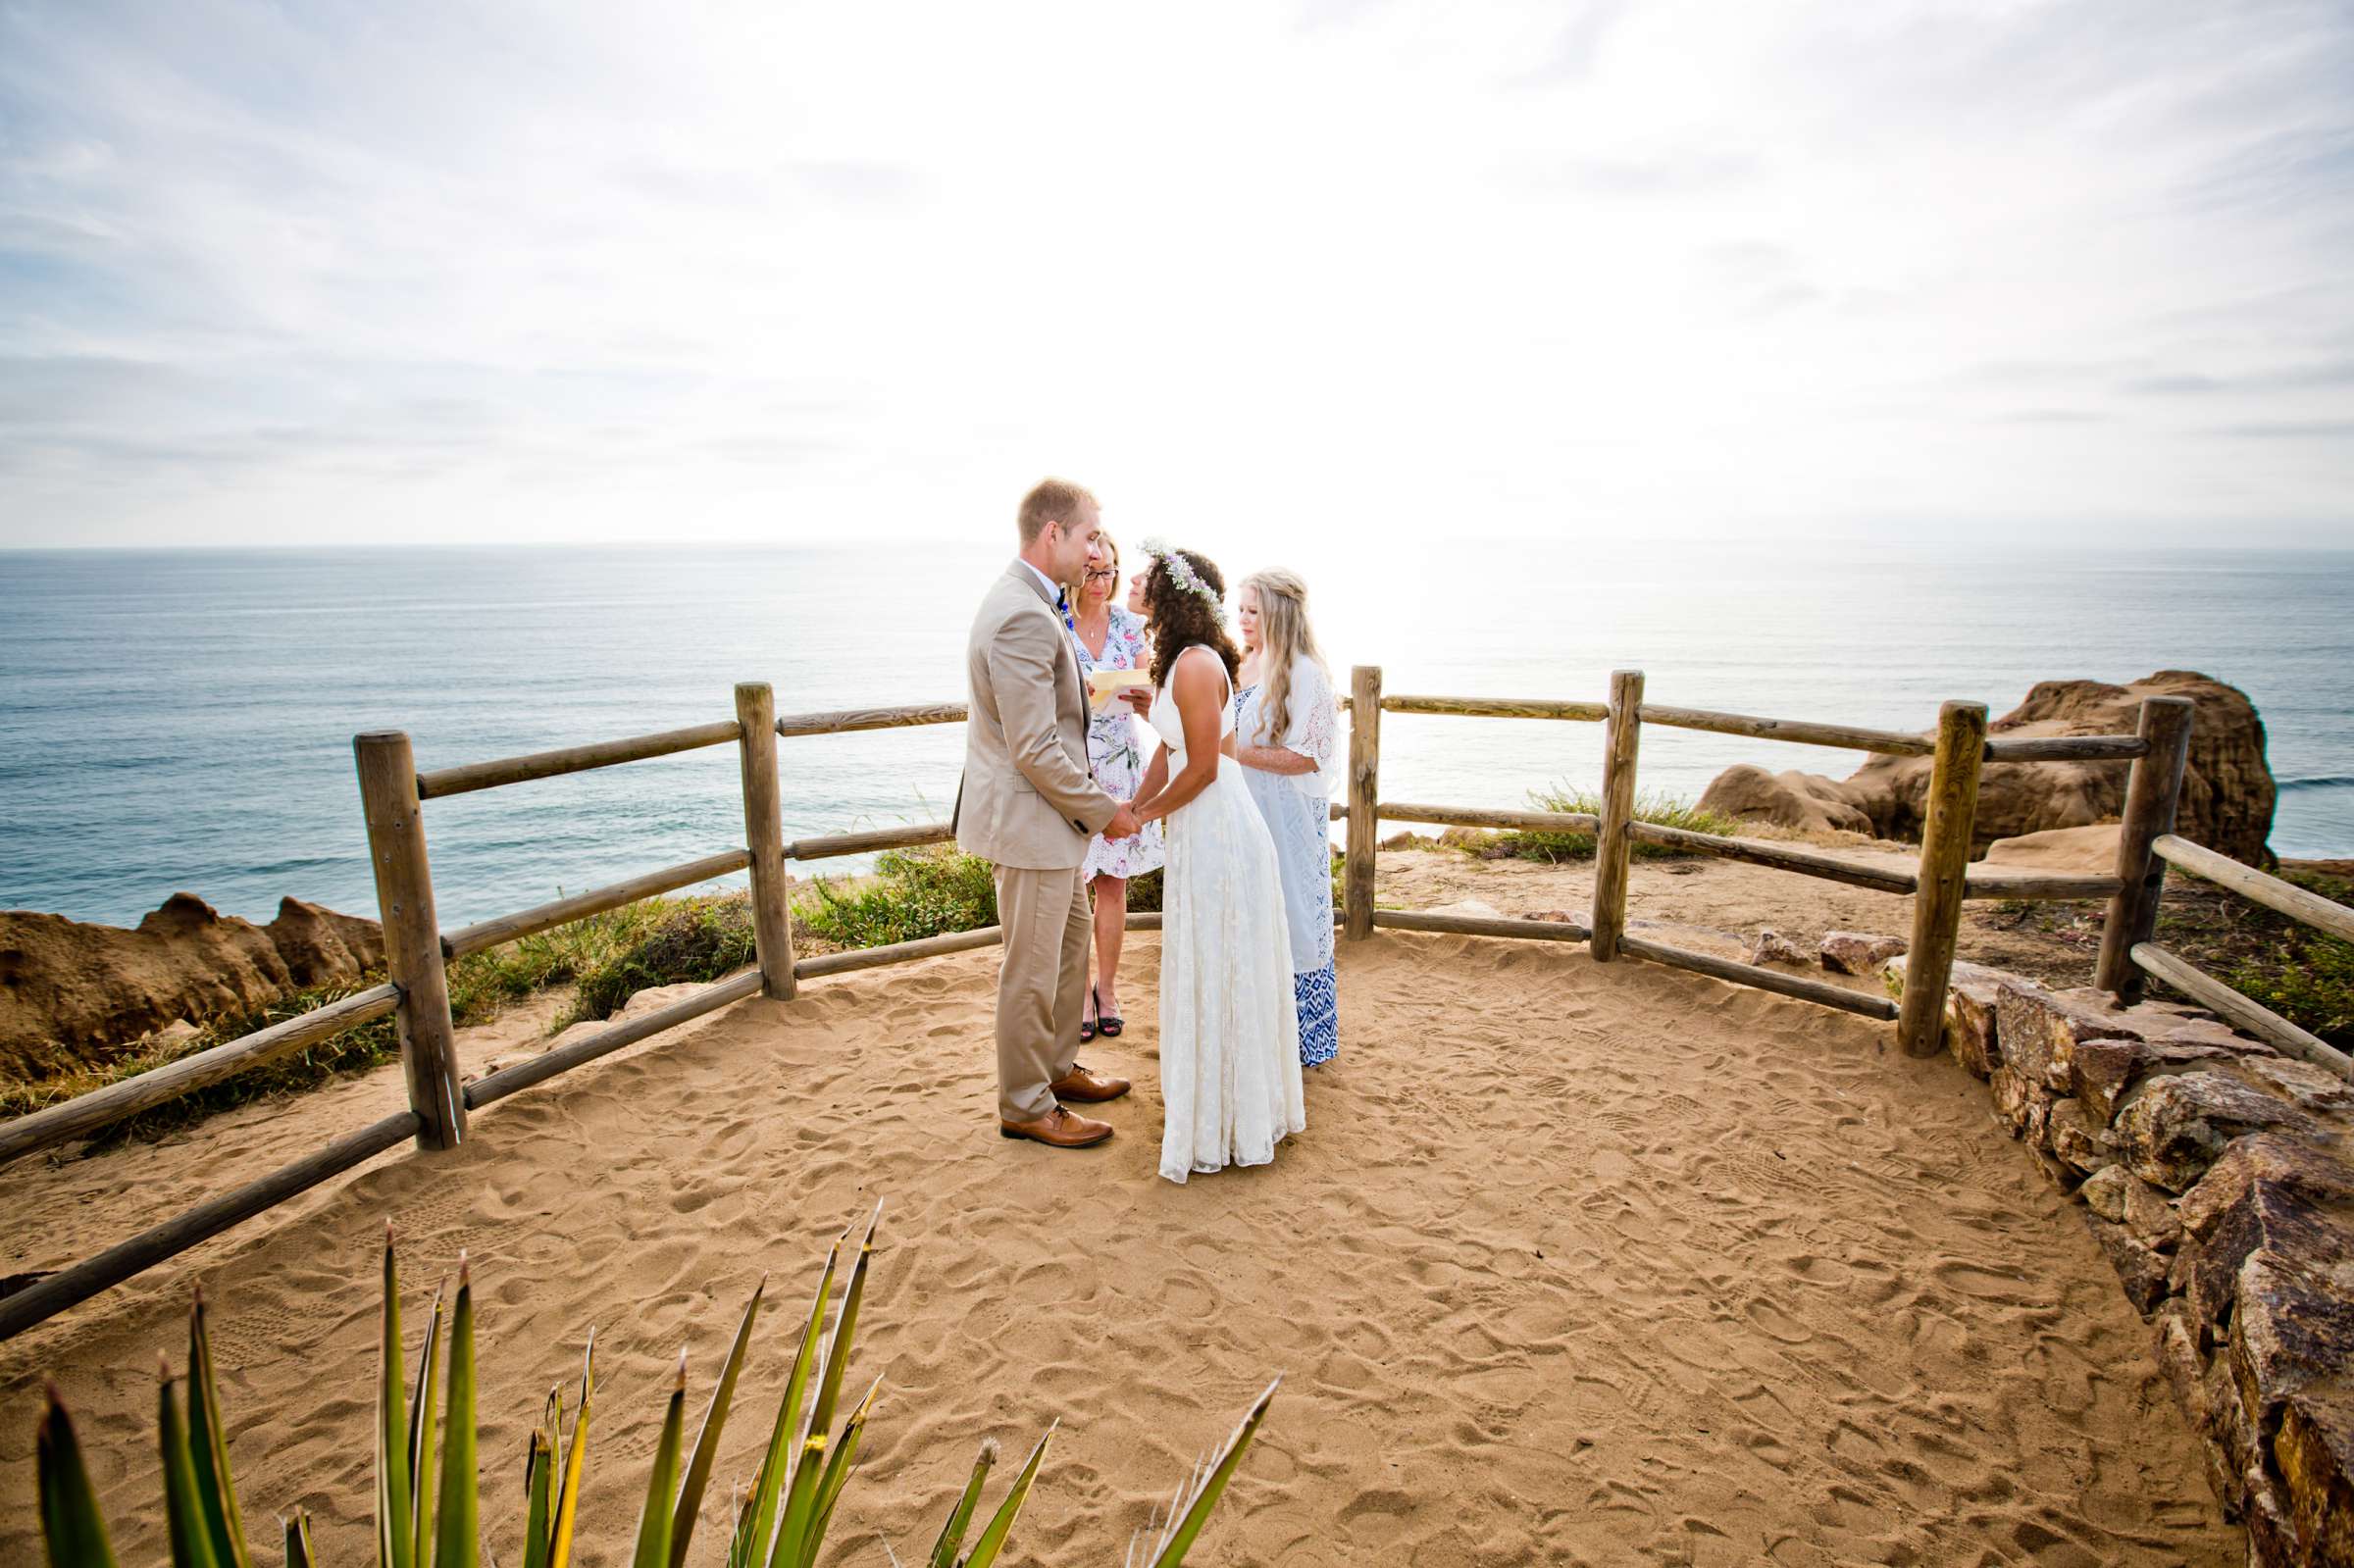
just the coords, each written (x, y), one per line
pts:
(1300, 823)
(1319, 1005)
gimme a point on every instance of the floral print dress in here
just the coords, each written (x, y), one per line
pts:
(1113, 756)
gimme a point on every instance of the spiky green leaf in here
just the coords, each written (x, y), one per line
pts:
(837, 1473)
(654, 1524)
(300, 1554)
(706, 1442)
(71, 1524)
(846, 1330)
(801, 1506)
(183, 1514)
(1000, 1523)
(576, 1460)
(755, 1524)
(424, 1460)
(207, 1447)
(538, 1498)
(960, 1517)
(457, 1526)
(396, 1504)
(1188, 1523)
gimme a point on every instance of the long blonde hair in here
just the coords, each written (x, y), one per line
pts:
(1284, 636)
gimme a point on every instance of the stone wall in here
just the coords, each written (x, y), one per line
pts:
(2218, 1176)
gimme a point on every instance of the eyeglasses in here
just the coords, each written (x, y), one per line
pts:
(1105, 572)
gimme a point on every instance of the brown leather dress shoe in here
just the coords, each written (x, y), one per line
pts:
(1058, 1129)
(1087, 1087)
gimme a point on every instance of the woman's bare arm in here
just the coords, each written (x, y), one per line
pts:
(1275, 759)
(1156, 774)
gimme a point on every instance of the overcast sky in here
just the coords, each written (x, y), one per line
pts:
(310, 273)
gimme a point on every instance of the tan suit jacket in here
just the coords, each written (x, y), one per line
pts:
(1027, 799)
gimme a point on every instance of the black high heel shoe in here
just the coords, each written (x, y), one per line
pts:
(1087, 1028)
(1107, 1025)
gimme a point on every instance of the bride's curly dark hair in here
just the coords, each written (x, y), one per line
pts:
(1180, 618)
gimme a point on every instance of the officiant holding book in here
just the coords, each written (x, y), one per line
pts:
(1110, 642)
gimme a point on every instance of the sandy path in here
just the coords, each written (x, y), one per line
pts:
(1576, 1263)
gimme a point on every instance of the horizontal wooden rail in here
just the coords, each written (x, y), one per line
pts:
(547, 1065)
(867, 843)
(1500, 708)
(572, 759)
(1781, 857)
(2257, 888)
(84, 1114)
(1810, 990)
(1482, 816)
(2067, 748)
(48, 1298)
(844, 721)
(1549, 930)
(2254, 1017)
(563, 911)
(1847, 738)
(954, 942)
(1992, 881)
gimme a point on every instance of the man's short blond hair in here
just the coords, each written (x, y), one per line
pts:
(1050, 502)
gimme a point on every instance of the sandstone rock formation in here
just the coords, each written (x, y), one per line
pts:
(2090, 850)
(1855, 953)
(70, 992)
(2228, 793)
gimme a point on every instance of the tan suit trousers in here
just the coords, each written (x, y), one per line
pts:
(1042, 985)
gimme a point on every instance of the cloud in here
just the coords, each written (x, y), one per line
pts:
(2288, 429)
(545, 271)
(1577, 47)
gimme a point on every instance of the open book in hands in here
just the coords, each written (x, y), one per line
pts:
(1105, 687)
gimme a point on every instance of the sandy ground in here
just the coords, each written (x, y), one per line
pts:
(1576, 1263)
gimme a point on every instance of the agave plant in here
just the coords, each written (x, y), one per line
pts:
(200, 1498)
(427, 1487)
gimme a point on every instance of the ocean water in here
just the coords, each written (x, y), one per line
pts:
(183, 719)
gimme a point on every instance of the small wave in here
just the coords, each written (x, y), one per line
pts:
(2335, 781)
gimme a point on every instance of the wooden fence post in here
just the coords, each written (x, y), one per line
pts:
(2152, 791)
(1614, 840)
(404, 901)
(1365, 801)
(764, 835)
(1945, 844)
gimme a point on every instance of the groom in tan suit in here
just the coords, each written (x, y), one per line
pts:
(1028, 804)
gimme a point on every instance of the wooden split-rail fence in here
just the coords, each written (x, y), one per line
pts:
(393, 794)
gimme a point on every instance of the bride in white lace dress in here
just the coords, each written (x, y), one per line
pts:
(1229, 1030)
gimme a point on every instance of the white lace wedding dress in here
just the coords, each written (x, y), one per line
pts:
(1229, 1028)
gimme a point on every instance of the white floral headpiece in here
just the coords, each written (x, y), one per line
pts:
(1181, 570)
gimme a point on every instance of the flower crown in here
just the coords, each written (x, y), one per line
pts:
(1181, 570)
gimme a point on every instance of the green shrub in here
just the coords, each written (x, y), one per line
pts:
(914, 894)
(2304, 976)
(675, 942)
(1665, 810)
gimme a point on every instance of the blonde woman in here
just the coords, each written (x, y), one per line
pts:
(1110, 636)
(1286, 737)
